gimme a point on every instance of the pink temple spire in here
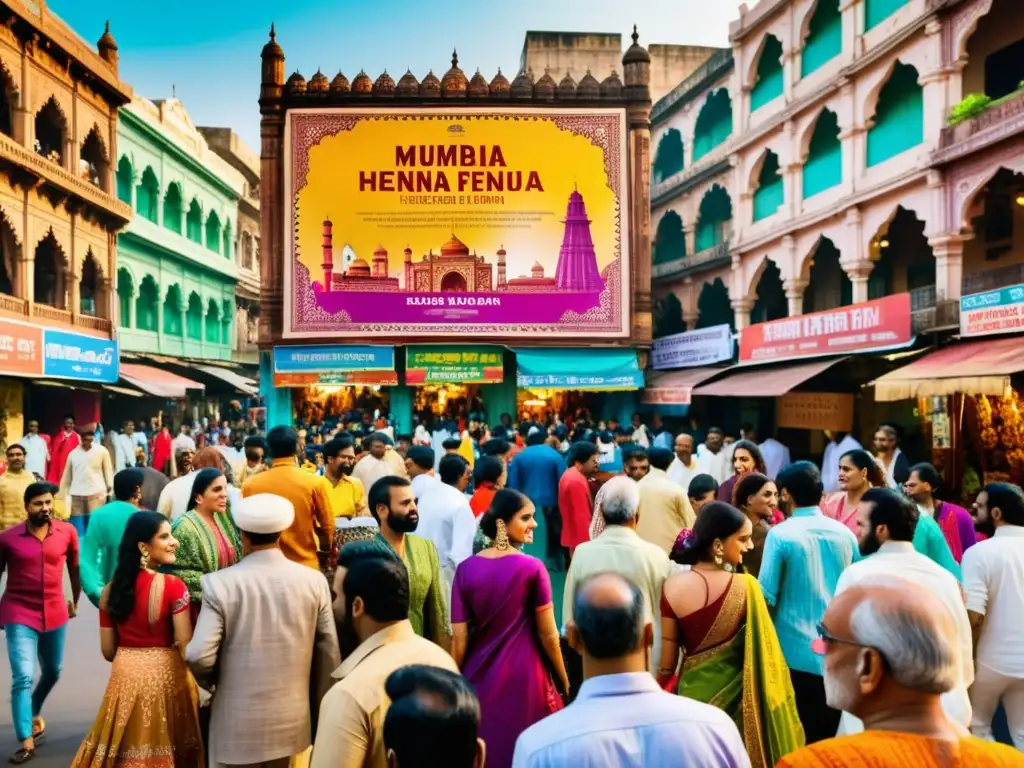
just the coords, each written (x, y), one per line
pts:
(577, 262)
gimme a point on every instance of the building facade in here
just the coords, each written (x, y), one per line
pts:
(811, 165)
(177, 270)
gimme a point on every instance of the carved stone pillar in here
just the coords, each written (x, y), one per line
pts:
(74, 301)
(690, 235)
(640, 142)
(859, 272)
(741, 311)
(795, 296)
(949, 266)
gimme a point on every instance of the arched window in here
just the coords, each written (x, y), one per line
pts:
(769, 83)
(225, 321)
(899, 116)
(768, 197)
(829, 286)
(10, 254)
(824, 37)
(147, 195)
(824, 166)
(48, 273)
(124, 180)
(88, 287)
(213, 232)
(247, 250)
(670, 241)
(715, 214)
(194, 223)
(771, 303)
(877, 11)
(146, 305)
(172, 311)
(51, 128)
(125, 289)
(93, 165)
(212, 322)
(8, 99)
(714, 306)
(668, 317)
(714, 123)
(226, 250)
(194, 317)
(669, 159)
(172, 208)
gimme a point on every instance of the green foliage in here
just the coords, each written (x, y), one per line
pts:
(972, 106)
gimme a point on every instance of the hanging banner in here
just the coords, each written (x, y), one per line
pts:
(693, 348)
(815, 411)
(992, 312)
(871, 326)
(454, 365)
(332, 365)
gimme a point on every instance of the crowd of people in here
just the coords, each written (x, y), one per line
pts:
(391, 605)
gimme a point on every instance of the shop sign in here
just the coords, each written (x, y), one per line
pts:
(21, 349)
(666, 396)
(457, 365)
(488, 222)
(984, 314)
(874, 325)
(337, 378)
(815, 411)
(693, 348)
(76, 356)
(333, 359)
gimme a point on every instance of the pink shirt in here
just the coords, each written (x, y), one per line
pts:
(34, 596)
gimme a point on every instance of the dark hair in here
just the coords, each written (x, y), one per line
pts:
(19, 446)
(251, 445)
(802, 481)
(661, 458)
(451, 468)
(717, 520)
(505, 505)
(862, 460)
(434, 718)
(204, 479)
(581, 453)
(380, 492)
(755, 453)
(538, 437)
(715, 431)
(335, 446)
(140, 529)
(608, 632)
(127, 483)
(893, 510)
(1010, 501)
(421, 456)
(701, 485)
(35, 490)
(374, 437)
(355, 551)
(283, 442)
(383, 584)
(452, 444)
(633, 452)
(895, 431)
(749, 484)
(496, 446)
(926, 473)
(488, 469)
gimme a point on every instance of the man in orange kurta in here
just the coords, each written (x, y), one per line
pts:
(889, 668)
(575, 503)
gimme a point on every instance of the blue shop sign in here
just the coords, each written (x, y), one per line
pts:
(77, 356)
(323, 358)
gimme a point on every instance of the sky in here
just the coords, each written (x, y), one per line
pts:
(208, 51)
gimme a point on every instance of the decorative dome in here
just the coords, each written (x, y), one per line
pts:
(318, 83)
(502, 251)
(454, 248)
(545, 87)
(358, 268)
(407, 251)
(588, 88)
(454, 81)
(340, 84)
(478, 87)
(499, 85)
(612, 86)
(108, 43)
(384, 86)
(636, 52)
(567, 88)
(408, 85)
(430, 87)
(362, 85)
(296, 84)
(522, 86)
(380, 252)
(271, 50)
(537, 271)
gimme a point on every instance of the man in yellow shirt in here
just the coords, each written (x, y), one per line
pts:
(348, 497)
(13, 483)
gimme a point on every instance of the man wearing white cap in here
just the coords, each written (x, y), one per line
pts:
(266, 640)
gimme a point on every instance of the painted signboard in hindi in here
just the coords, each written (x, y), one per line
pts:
(456, 222)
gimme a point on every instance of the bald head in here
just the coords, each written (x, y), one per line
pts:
(684, 447)
(608, 611)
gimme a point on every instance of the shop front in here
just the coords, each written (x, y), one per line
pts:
(679, 363)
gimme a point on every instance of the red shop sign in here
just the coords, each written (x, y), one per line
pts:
(879, 324)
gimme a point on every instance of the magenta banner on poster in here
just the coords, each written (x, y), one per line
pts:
(462, 222)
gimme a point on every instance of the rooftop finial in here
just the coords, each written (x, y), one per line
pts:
(636, 36)
(455, 58)
(273, 34)
(174, 91)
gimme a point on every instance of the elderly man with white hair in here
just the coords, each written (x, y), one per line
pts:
(620, 550)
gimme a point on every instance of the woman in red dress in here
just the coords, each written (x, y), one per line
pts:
(150, 712)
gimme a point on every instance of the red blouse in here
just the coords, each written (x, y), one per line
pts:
(137, 631)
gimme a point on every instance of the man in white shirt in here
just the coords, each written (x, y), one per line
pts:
(88, 480)
(37, 449)
(885, 531)
(841, 443)
(993, 572)
(775, 455)
(446, 517)
(684, 467)
(419, 463)
(714, 457)
(125, 444)
(379, 461)
(184, 441)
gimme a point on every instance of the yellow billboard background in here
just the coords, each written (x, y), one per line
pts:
(563, 161)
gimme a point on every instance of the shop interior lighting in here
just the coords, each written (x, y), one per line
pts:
(1020, 199)
(884, 243)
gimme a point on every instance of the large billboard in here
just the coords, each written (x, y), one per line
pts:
(485, 222)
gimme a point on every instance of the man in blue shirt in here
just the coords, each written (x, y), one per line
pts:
(535, 472)
(803, 559)
(621, 717)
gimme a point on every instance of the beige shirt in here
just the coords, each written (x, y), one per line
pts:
(664, 510)
(350, 733)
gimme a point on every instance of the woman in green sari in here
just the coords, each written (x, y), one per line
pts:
(716, 615)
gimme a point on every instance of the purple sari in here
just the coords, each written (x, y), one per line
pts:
(499, 598)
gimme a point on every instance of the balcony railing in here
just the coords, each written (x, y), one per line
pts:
(46, 312)
(709, 258)
(100, 324)
(1000, 121)
(993, 279)
(13, 304)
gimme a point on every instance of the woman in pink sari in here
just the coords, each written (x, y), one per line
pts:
(858, 471)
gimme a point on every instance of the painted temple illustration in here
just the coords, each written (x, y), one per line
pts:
(458, 269)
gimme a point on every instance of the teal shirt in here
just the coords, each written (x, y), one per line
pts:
(930, 541)
(98, 558)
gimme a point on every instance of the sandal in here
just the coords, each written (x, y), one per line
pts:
(39, 736)
(22, 756)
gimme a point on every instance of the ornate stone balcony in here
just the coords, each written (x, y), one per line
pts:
(709, 258)
(44, 314)
(1000, 121)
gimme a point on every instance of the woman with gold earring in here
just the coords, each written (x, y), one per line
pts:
(717, 616)
(505, 639)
